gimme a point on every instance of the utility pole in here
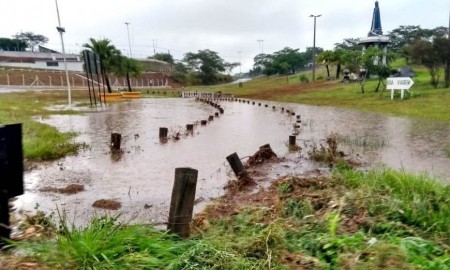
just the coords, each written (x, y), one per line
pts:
(314, 48)
(129, 42)
(61, 30)
(155, 44)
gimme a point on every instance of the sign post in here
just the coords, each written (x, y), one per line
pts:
(399, 83)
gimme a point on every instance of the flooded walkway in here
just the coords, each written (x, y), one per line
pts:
(141, 180)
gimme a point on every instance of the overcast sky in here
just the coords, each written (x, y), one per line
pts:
(230, 27)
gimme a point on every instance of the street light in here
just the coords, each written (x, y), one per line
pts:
(61, 30)
(261, 44)
(314, 48)
(240, 64)
(129, 42)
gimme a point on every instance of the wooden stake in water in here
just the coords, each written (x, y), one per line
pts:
(182, 202)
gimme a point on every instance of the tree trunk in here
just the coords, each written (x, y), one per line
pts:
(108, 85)
(379, 82)
(338, 71)
(328, 71)
(128, 82)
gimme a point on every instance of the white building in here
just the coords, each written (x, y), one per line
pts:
(40, 60)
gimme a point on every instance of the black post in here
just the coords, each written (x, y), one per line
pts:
(182, 201)
(292, 140)
(235, 163)
(11, 173)
(163, 132)
(115, 142)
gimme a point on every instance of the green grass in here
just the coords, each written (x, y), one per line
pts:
(40, 141)
(381, 219)
(423, 101)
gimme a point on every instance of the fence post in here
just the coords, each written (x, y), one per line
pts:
(115, 142)
(50, 80)
(23, 80)
(235, 163)
(292, 140)
(163, 131)
(182, 201)
(7, 78)
(11, 171)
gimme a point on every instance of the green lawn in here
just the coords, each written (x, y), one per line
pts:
(423, 101)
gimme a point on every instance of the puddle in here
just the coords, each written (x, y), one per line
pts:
(141, 180)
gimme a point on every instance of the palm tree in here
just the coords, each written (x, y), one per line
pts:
(108, 56)
(128, 67)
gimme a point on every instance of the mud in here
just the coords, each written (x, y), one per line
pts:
(107, 204)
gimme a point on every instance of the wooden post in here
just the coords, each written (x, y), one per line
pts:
(221, 110)
(292, 140)
(7, 78)
(189, 127)
(273, 107)
(182, 201)
(163, 132)
(11, 171)
(259, 104)
(235, 163)
(267, 105)
(203, 122)
(211, 117)
(115, 142)
(4, 218)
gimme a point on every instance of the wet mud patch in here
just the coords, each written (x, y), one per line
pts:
(107, 204)
(70, 189)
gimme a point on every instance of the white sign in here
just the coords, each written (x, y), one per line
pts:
(399, 83)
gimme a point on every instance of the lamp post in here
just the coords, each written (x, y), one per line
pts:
(261, 44)
(314, 48)
(61, 30)
(240, 64)
(129, 42)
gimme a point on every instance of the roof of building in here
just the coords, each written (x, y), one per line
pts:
(11, 56)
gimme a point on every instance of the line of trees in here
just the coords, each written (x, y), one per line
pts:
(428, 47)
(283, 62)
(112, 61)
(22, 42)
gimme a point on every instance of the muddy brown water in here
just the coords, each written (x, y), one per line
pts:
(141, 179)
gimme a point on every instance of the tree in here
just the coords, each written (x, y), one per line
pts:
(127, 67)
(349, 44)
(326, 57)
(109, 56)
(207, 64)
(166, 57)
(288, 61)
(285, 61)
(8, 44)
(32, 40)
(432, 54)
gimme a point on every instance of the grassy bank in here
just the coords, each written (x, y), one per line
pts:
(40, 141)
(382, 219)
(423, 101)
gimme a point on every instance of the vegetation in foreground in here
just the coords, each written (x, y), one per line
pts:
(381, 219)
(40, 141)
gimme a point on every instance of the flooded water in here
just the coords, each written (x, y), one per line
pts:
(141, 180)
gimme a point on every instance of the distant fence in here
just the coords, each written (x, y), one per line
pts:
(57, 79)
(207, 95)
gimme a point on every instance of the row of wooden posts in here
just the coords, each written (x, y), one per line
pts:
(293, 137)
